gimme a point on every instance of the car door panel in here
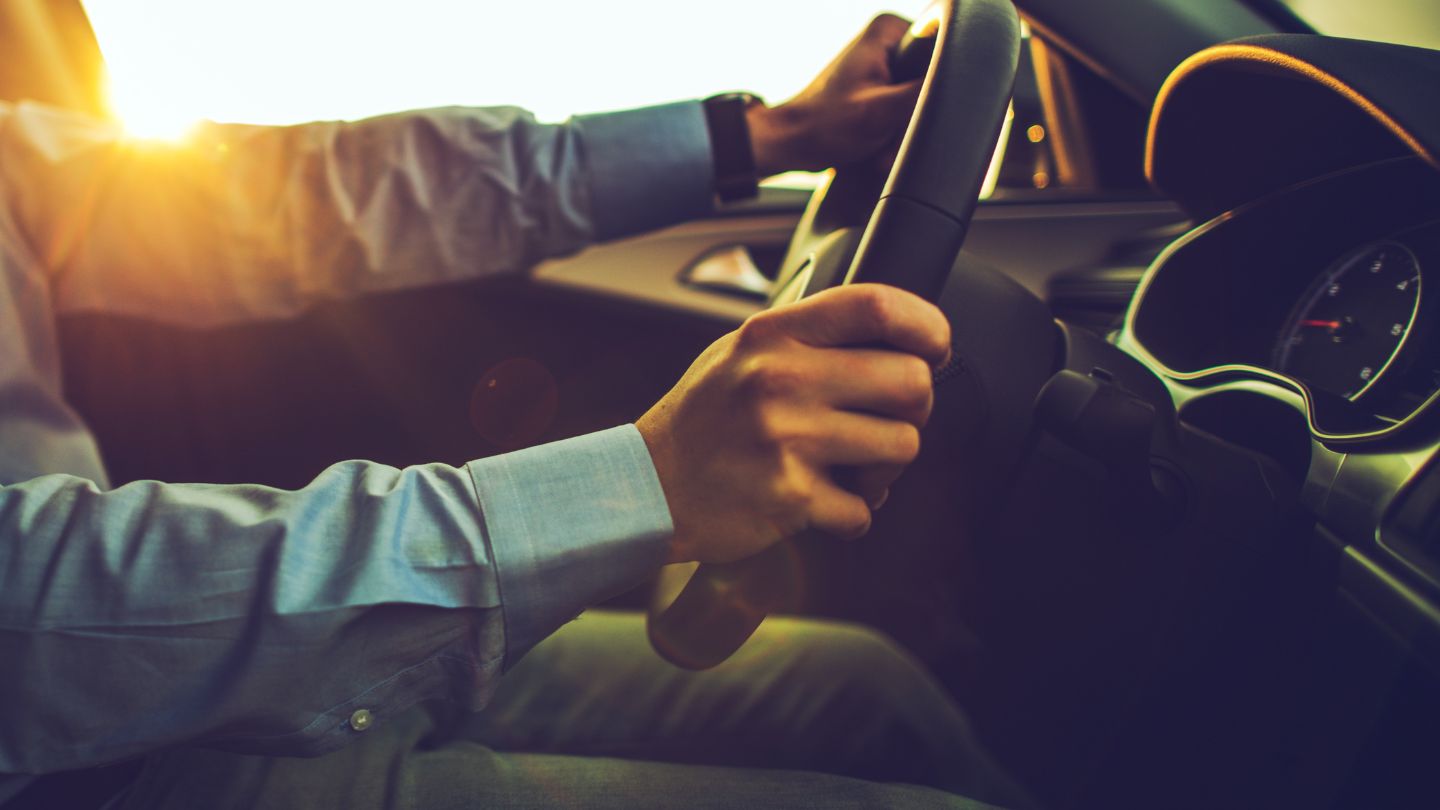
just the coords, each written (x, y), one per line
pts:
(1032, 242)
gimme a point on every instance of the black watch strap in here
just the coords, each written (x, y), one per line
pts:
(736, 177)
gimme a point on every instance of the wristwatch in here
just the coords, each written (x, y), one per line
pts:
(736, 177)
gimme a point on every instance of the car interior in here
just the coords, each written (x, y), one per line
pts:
(1173, 539)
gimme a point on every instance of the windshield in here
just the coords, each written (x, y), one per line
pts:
(1406, 22)
(172, 62)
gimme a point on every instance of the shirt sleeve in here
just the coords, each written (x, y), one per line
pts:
(243, 222)
(287, 622)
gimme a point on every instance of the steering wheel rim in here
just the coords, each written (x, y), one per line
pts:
(914, 233)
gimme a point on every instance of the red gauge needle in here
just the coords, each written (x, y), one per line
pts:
(1322, 324)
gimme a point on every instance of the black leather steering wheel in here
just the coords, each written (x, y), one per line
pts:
(912, 238)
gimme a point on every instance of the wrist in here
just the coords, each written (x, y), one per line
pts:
(657, 443)
(775, 138)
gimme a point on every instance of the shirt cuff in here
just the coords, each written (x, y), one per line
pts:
(569, 524)
(649, 167)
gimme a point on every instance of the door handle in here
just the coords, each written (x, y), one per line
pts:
(731, 270)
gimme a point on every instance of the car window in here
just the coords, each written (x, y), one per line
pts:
(1405, 22)
(173, 62)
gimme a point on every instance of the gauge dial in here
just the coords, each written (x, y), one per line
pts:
(1349, 326)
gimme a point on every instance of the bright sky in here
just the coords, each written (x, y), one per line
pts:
(286, 61)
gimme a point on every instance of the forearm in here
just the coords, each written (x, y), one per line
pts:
(261, 620)
(157, 614)
(241, 222)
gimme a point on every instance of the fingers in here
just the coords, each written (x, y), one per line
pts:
(861, 314)
(865, 455)
(879, 382)
(886, 30)
(858, 439)
(837, 511)
(872, 483)
(749, 445)
(871, 52)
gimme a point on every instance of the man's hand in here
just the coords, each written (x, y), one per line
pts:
(849, 112)
(747, 444)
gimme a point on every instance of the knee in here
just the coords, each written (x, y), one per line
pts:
(862, 647)
(854, 657)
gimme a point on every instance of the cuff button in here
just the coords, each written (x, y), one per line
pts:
(361, 719)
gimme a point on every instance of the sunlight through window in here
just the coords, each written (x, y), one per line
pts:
(173, 62)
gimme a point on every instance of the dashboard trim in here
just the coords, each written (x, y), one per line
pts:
(1210, 376)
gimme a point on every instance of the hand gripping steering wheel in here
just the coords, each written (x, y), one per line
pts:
(911, 241)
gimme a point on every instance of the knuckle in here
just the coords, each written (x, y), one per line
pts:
(757, 330)
(876, 306)
(771, 430)
(768, 380)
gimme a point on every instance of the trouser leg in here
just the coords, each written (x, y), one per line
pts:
(801, 694)
(400, 768)
(802, 698)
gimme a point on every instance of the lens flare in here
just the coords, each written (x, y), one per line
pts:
(149, 116)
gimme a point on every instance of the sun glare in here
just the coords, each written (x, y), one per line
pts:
(173, 62)
(147, 116)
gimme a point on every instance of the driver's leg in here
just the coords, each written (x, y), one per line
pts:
(403, 768)
(801, 694)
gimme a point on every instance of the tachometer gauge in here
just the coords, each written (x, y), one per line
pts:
(1349, 326)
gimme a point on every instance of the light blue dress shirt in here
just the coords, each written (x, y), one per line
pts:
(279, 622)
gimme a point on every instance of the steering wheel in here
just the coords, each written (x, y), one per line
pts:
(911, 240)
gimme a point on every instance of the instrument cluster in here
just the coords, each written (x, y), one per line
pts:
(1320, 289)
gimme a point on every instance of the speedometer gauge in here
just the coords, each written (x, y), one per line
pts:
(1346, 330)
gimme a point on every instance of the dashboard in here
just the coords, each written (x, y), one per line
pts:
(1319, 289)
(1235, 501)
